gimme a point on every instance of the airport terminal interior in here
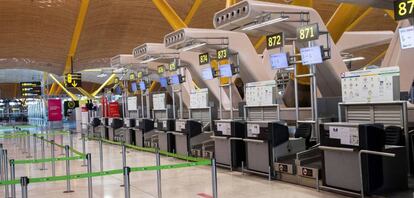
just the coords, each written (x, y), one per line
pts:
(207, 98)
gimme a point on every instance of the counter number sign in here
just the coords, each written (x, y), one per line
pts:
(161, 69)
(73, 80)
(308, 33)
(140, 75)
(275, 41)
(223, 54)
(116, 80)
(172, 66)
(204, 59)
(403, 9)
(132, 76)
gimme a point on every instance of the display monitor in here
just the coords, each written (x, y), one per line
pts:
(279, 61)
(175, 80)
(207, 73)
(311, 55)
(142, 86)
(118, 90)
(226, 71)
(163, 82)
(134, 86)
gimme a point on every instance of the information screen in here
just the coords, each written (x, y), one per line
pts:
(175, 80)
(311, 55)
(164, 82)
(279, 61)
(142, 86)
(118, 90)
(207, 73)
(133, 87)
(225, 71)
(407, 37)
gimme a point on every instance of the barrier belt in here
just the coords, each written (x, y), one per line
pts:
(36, 161)
(109, 172)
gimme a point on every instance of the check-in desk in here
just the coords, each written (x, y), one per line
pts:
(129, 134)
(345, 162)
(94, 125)
(105, 127)
(166, 140)
(229, 148)
(115, 129)
(144, 131)
(189, 136)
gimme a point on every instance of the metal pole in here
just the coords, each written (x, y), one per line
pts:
(42, 143)
(34, 146)
(24, 182)
(101, 155)
(214, 177)
(231, 101)
(13, 177)
(61, 143)
(173, 100)
(158, 163)
(181, 103)
(84, 149)
(6, 174)
(24, 143)
(124, 162)
(127, 170)
(52, 154)
(1, 164)
(68, 190)
(28, 145)
(71, 142)
(220, 103)
(89, 162)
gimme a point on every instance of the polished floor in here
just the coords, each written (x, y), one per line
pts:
(190, 182)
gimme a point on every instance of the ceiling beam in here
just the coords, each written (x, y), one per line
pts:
(169, 14)
(73, 96)
(343, 17)
(230, 3)
(110, 78)
(193, 11)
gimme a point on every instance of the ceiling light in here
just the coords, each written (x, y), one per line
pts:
(353, 59)
(149, 60)
(92, 70)
(193, 46)
(266, 23)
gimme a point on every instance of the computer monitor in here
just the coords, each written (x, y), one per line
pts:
(142, 86)
(118, 90)
(226, 71)
(279, 61)
(134, 87)
(175, 80)
(164, 82)
(207, 73)
(311, 55)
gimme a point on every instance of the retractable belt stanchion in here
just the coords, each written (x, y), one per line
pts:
(89, 163)
(127, 171)
(101, 155)
(84, 148)
(35, 146)
(6, 173)
(52, 155)
(13, 177)
(158, 163)
(214, 177)
(29, 155)
(24, 182)
(1, 164)
(42, 143)
(68, 190)
(124, 160)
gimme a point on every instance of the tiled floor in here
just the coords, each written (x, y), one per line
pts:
(180, 183)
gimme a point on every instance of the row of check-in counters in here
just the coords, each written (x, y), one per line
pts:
(274, 150)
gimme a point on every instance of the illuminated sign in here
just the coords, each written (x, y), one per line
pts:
(222, 54)
(279, 61)
(73, 80)
(403, 9)
(203, 59)
(308, 33)
(132, 76)
(30, 89)
(116, 80)
(274, 41)
(311, 55)
(161, 69)
(140, 75)
(172, 66)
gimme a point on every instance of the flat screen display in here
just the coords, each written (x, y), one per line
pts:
(164, 82)
(118, 90)
(225, 71)
(311, 55)
(207, 73)
(175, 80)
(279, 61)
(133, 86)
(142, 86)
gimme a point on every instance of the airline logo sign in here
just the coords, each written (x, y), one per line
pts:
(73, 80)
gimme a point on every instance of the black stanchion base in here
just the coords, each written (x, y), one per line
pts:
(68, 191)
(122, 185)
(43, 169)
